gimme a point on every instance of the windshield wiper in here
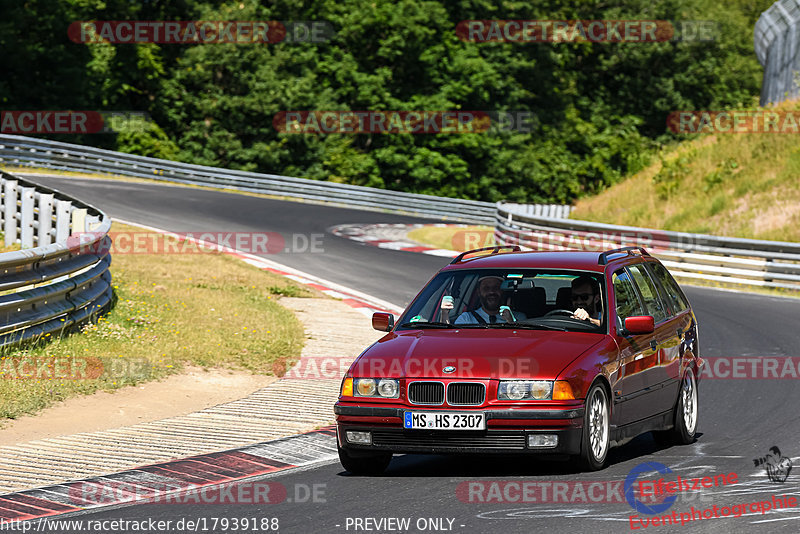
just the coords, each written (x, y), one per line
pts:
(531, 326)
(426, 324)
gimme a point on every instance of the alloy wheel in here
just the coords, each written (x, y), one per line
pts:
(689, 402)
(598, 425)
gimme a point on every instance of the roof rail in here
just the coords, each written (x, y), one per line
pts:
(603, 259)
(495, 250)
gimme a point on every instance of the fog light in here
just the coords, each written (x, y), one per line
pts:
(541, 441)
(361, 438)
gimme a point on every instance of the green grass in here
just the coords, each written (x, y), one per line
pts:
(737, 185)
(205, 309)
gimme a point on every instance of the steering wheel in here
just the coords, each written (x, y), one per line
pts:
(559, 312)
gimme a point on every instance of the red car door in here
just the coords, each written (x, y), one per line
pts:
(662, 341)
(671, 336)
(637, 354)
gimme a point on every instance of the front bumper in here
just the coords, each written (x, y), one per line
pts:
(507, 431)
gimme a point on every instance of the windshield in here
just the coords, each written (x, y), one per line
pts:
(521, 298)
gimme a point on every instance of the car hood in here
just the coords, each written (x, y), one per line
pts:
(474, 353)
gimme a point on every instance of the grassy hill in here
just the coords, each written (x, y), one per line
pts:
(739, 185)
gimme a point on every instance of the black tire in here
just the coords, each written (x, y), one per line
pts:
(596, 429)
(364, 463)
(684, 417)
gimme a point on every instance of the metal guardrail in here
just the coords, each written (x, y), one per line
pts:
(27, 151)
(776, 40)
(736, 261)
(63, 280)
(746, 262)
(18, 150)
(551, 211)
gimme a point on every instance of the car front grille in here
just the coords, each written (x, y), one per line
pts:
(426, 393)
(448, 441)
(465, 394)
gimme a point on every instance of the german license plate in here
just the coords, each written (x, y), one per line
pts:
(444, 421)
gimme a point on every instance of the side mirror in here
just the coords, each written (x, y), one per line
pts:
(384, 322)
(641, 324)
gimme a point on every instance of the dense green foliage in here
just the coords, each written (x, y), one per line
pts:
(600, 108)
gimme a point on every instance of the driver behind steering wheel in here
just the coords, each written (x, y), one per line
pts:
(490, 310)
(586, 300)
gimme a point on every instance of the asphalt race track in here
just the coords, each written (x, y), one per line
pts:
(386, 274)
(740, 419)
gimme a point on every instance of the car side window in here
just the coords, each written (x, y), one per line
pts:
(647, 289)
(628, 304)
(672, 291)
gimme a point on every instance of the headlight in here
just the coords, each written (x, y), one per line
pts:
(515, 390)
(387, 388)
(365, 387)
(541, 390)
(525, 390)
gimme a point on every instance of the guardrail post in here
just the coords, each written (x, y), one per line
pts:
(78, 220)
(75, 292)
(26, 220)
(767, 265)
(10, 212)
(63, 209)
(92, 222)
(44, 236)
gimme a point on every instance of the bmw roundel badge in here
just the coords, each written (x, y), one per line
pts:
(449, 369)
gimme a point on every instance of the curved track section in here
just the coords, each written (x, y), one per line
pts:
(739, 420)
(185, 209)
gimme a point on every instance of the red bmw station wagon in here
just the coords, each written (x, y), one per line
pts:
(505, 351)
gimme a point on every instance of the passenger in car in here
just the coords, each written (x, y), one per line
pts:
(586, 300)
(489, 312)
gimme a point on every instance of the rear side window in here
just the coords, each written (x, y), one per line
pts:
(628, 304)
(672, 292)
(648, 291)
